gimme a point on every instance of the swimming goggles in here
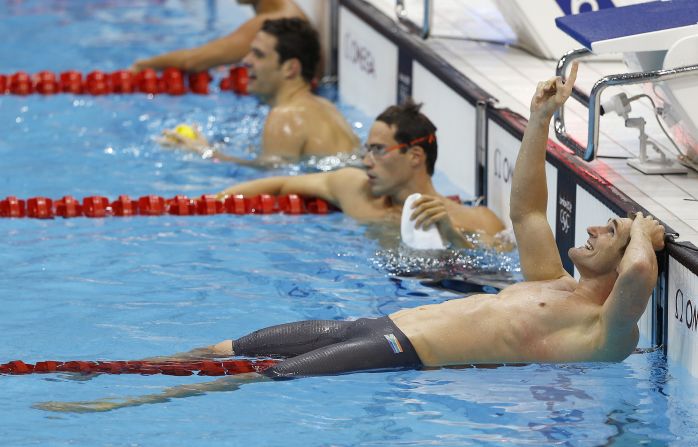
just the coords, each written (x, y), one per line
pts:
(379, 150)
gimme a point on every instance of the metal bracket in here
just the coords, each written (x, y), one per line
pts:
(593, 101)
(646, 165)
(401, 13)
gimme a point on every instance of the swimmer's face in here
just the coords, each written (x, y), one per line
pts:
(266, 74)
(391, 171)
(604, 249)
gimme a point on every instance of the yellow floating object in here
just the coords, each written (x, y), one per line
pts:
(186, 131)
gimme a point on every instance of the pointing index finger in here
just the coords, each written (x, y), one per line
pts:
(572, 78)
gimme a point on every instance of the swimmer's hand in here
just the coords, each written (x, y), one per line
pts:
(196, 143)
(649, 227)
(430, 211)
(553, 93)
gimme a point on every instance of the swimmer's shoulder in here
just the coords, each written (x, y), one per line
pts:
(317, 105)
(565, 283)
(351, 177)
(348, 181)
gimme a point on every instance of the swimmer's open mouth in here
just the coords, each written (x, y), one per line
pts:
(588, 246)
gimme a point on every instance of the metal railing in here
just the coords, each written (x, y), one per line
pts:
(402, 17)
(593, 100)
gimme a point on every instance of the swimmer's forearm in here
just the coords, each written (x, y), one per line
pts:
(639, 259)
(271, 185)
(177, 59)
(229, 49)
(457, 239)
(259, 163)
(529, 192)
(637, 276)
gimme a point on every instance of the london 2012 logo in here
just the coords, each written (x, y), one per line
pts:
(359, 55)
(577, 6)
(685, 310)
(565, 214)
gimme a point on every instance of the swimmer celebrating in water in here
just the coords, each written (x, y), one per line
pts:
(550, 317)
(229, 49)
(282, 62)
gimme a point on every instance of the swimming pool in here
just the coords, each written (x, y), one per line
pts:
(132, 288)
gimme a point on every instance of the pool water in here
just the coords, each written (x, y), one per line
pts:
(128, 288)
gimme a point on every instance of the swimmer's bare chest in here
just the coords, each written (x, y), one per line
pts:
(527, 322)
(368, 209)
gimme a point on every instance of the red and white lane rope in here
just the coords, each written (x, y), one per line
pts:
(153, 205)
(172, 368)
(171, 81)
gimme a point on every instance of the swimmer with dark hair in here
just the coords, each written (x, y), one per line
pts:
(282, 62)
(398, 160)
(548, 318)
(229, 49)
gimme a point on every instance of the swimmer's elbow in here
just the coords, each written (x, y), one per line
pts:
(517, 214)
(641, 271)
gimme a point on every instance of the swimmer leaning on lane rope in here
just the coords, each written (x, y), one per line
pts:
(550, 317)
(399, 159)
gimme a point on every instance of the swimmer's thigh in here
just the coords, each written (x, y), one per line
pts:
(359, 354)
(292, 339)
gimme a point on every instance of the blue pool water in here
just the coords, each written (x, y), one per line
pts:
(131, 288)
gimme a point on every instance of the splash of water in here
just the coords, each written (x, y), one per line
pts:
(499, 261)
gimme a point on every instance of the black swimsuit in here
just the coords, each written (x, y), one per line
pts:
(318, 347)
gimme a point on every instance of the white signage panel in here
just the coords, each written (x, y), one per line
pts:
(367, 66)
(682, 317)
(454, 118)
(502, 151)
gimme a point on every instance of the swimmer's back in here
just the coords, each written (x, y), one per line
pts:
(328, 132)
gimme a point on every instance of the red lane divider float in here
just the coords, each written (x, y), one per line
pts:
(171, 82)
(152, 205)
(171, 368)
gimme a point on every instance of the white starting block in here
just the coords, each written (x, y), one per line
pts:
(659, 39)
(533, 21)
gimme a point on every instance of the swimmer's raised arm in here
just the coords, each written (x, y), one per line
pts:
(540, 259)
(637, 275)
(226, 50)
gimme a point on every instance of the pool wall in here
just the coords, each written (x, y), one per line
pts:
(380, 64)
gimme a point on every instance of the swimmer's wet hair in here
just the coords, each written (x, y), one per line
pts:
(412, 124)
(296, 39)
